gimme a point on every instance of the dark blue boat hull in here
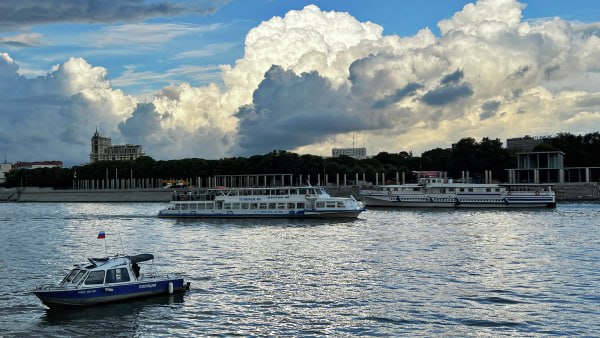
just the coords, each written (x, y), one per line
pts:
(106, 294)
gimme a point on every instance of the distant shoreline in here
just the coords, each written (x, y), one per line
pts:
(564, 192)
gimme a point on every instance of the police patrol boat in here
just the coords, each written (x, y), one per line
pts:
(109, 279)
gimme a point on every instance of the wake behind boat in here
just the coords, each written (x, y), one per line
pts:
(438, 192)
(268, 202)
(108, 279)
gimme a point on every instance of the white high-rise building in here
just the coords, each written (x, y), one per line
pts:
(357, 153)
(103, 150)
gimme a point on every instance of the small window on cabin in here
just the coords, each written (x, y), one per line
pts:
(272, 205)
(291, 206)
(294, 192)
(184, 207)
(119, 275)
(253, 205)
(320, 204)
(280, 205)
(330, 204)
(470, 189)
(95, 277)
(235, 206)
(262, 206)
(488, 189)
(300, 205)
(227, 206)
(340, 204)
(210, 205)
(201, 206)
(245, 205)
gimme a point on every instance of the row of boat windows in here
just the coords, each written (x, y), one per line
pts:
(260, 206)
(267, 192)
(118, 275)
(441, 190)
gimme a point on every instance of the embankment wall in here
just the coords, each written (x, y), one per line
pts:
(564, 192)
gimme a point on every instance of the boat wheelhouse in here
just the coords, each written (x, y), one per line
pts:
(109, 279)
(268, 202)
(438, 192)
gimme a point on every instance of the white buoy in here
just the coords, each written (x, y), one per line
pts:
(170, 288)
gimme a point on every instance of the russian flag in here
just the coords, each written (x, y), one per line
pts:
(101, 235)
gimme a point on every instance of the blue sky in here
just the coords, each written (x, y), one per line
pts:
(191, 49)
(168, 73)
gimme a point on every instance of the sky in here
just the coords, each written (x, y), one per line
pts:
(215, 78)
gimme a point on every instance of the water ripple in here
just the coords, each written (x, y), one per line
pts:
(388, 273)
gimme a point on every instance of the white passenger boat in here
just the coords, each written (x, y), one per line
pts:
(271, 202)
(438, 192)
(108, 279)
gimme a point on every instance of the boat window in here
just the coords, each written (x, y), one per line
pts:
(227, 206)
(184, 207)
(201, 206)
(294, 192)
(95, 277)
(245, 206)
(280, 205)
(262, 205)
(320, 204)
(235, 206)
(253, 205)
(291, 206)
(488, 189)
(340, 204)
(303, 192)
(272, 205)
(69, 277)
(79, 276)
(210, 205)
(331, 204)
(117, 275)
(300, 205)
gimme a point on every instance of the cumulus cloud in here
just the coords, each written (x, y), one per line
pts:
(19, 14)
(309, 80)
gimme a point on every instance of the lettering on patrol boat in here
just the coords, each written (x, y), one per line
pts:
(147, 286)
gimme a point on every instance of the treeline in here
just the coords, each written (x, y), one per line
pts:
(466, 155)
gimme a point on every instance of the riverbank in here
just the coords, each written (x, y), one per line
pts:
(564, 192)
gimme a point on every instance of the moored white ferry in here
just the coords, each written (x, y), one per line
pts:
(269, 202)
(438, 192)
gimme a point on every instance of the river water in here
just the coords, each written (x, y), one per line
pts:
(388, 273)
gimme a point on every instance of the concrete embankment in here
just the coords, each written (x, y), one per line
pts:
(51, 195)
(564, 192)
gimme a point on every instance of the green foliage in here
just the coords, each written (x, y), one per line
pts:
(466, 155)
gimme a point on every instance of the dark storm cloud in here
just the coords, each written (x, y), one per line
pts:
(521, 72)
(289, 111)
(450, 90)
(447, 94)
(452, 78)
(489, 109)
(17, 14)
(145, 120)
(400, 94)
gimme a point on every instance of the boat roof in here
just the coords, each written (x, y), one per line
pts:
(105, 262)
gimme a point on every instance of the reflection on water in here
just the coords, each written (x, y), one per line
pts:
(390, 272)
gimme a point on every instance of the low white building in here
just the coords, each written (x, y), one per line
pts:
(357, 153)
(5, 167)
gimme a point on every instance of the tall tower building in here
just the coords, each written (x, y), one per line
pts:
(100, 146)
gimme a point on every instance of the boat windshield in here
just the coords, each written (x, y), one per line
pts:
(73, 277)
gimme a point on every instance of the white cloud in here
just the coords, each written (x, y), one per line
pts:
(146, 35)
(311, 79)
